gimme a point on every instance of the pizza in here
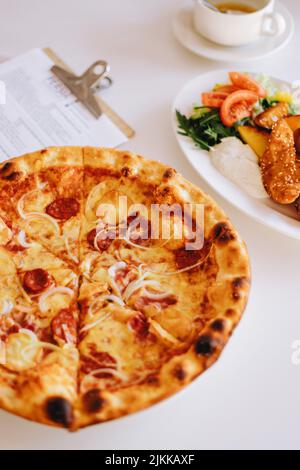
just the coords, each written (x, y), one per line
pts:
(104, 309)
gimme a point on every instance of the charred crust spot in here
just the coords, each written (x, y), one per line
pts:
(205, 345)
(164, 195)
(59, 410)
(15, 175)
(218, 325)
(237, 284)
(44, 151)
(179, 373)
(5, 167)
(222, 233)
(92, 401)
(126, 171)
(7, 173)
(152, 380)
(166, 191)
(169, 173)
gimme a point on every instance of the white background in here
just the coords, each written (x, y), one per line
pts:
(250, 398)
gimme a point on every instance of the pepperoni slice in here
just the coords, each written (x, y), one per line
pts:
(139, 230)
(13, 247)
(139, 325)
(103, 243)
(36, 281)
(98, 360)
(185, 258)
(64, 326)
(63, 208)
(124, 276)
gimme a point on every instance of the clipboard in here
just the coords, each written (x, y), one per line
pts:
(113, 116)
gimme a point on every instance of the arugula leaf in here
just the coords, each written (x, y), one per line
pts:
(267, 102)
(207, 130)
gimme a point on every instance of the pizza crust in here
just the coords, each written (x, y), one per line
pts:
(225, 298)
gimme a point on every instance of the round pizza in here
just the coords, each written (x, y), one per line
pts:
(120, 283)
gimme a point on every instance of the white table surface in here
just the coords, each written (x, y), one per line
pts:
(250, 398)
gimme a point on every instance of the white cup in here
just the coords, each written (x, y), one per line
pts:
(230, 29)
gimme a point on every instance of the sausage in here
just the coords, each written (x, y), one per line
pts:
(102, 243)
(67, 333)
(63, 208)
(36, 281)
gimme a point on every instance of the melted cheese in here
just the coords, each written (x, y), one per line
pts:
(21, 201)
(2, 353)
(32, 216)
(20, 355)
(44, 305)
(71, 255)
(5, 233)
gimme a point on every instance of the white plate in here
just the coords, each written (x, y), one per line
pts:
(280, 218)
(189, 38)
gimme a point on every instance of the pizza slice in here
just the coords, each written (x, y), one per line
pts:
(18, 252)
(43, 199)
(61, 171)
(17, 178)
(118, 349)
(38, 354)
(117, 206)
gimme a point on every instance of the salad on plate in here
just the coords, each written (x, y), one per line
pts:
(251, 129)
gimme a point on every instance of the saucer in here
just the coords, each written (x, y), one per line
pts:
(189, 38)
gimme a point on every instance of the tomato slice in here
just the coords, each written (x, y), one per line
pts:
(237, 106)
(245, 82)
(227, 89)
(213, 99)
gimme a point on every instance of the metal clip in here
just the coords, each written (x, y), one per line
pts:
(95, 78)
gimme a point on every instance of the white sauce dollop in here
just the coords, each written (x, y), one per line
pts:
(238, 162)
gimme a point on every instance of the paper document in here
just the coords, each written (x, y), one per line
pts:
(39, 111)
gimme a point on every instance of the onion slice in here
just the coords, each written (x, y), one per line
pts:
(21, 237)
(20, 204)
(108, 370)
(112, 271)
(71, 255)
(89, 326)
(40, 215)
(29, 333)
(158, 296)
(53, 291)
(7, 307)
(136, 285)
(24, 308)
(162, 332)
